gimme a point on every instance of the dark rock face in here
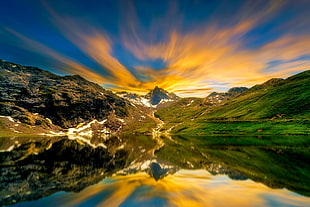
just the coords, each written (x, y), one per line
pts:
(30, 94)
(158, 94)
(37, 169)
(216, 98)
(157, 172)
(237, 90)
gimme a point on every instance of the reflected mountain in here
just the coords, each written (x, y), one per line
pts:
(37, 169)
(34, 167)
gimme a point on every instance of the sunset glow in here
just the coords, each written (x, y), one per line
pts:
(186, 47)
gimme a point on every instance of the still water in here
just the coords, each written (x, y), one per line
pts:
(148, 171)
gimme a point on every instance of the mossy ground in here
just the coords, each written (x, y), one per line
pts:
(254, 127)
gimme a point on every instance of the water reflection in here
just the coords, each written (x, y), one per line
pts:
(278, 162)
(184, 188)
(220, 171)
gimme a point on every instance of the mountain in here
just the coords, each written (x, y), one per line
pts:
(156, 98)
(39, 98)
(135, 99)
(65, 100)
(37, 101)
(216, 98)
(276, 98)
(278, 106)
(159, 95)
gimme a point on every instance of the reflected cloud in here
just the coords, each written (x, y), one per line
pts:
(185, 188)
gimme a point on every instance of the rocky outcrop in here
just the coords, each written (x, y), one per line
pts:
(31, 95)
(158, 95)
(216, 98)
(156, 98)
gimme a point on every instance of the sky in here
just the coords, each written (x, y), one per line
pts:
(189, 47)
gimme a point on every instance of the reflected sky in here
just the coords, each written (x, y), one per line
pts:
(184, 188)
(188, 47)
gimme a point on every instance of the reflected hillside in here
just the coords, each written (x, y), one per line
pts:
(34, 167)
(276, 161)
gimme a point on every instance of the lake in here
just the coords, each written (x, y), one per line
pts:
(139, 170)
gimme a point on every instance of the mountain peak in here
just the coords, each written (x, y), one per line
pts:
(157, 95)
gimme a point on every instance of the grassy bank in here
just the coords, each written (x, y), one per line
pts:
(253, 127)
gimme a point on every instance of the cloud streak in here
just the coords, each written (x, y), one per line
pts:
(212, 53)
(67, 64)
(223, 51)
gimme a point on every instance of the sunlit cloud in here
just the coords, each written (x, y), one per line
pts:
(67, 64)
(219, 55)
(216, 54)
(96, 45)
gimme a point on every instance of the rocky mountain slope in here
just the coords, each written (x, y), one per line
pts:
(65, 100)
(39, 98)
(159, 95)
(216, 98)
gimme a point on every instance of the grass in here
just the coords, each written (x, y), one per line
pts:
(256, 127)
(287, 98)
(275, 107)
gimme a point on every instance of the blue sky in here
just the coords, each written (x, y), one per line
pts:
(187, 47)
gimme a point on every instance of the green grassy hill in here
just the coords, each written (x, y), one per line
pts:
(278, 106)
(276, 98)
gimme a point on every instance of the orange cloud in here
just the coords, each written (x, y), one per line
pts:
(213, 54)
(209, 55)
(95, 44)
(68, 65)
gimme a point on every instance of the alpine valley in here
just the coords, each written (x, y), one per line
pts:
(66, 141)
(34, 101)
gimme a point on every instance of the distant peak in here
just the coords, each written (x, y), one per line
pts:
(158, 94)
(158, 89)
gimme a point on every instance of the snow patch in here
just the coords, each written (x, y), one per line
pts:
(10, 148)
(57, 133)
(145, 102)
(78, 131)
(15, 130)
(190, 103)
(8, 117)
(164, 101)
(121, 120)
(49, 121)
(87, 141)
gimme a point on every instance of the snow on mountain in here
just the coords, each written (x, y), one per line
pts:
(153, 99)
